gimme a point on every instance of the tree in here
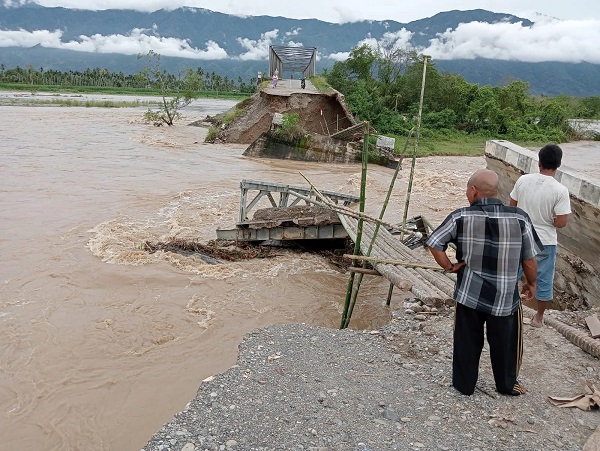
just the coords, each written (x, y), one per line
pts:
(176, 94)
(554, 115)
(361, 61)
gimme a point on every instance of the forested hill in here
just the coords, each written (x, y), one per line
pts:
(68, 39)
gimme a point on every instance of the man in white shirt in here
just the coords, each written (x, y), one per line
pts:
(547, 203)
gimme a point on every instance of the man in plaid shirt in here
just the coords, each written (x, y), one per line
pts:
(491, 240)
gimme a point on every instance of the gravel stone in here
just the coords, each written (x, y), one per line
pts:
(343, 390)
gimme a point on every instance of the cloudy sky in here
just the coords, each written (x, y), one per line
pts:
(566, 31)
(350, 10)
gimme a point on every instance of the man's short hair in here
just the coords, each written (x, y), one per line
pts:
(550, 156)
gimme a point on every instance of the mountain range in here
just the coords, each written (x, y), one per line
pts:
(234, 46)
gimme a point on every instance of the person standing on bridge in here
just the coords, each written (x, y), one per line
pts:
(547, 202)
(491, 240)
(275, 78)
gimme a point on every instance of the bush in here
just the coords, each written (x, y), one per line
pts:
(231, 115)
(291, 128)
(445, 119)
(212, 134)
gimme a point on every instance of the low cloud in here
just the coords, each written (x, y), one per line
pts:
(400, 39)
(257, 49)
(23, 38)
(294, 32)
(569, 41)
(136, 42)
(347, 15)
(339, 56)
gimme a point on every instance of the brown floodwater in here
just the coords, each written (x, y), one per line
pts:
(101, 342)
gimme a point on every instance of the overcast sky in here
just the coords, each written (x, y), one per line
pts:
(566, 31)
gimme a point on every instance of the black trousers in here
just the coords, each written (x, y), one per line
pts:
(505, 337)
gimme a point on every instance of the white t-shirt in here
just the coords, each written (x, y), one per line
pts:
(542, 197)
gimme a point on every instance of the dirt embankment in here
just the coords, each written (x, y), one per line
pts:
(319, 113)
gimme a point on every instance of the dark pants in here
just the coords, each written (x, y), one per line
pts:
(505, 337)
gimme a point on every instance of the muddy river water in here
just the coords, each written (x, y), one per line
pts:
(102, 342)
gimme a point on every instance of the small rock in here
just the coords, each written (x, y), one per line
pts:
(531, 420)
(231, 443)
(188, 447)
(405, 419)
(391, 414)
(420, 317)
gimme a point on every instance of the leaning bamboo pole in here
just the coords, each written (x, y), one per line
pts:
(359, 279)
(359, 229)
(346, 211)
(326, 202)
(374, 237)
(416, 146)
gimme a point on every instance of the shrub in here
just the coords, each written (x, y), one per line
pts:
(291, 128)
(212, 134)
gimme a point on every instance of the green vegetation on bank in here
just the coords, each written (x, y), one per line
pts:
(320, 83)
(102, 81)
(383, 87)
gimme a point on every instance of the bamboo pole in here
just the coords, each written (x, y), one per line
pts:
(372, 272)
(414, 157)
(358, 281)
(394, 262)
(346, 211)
(359, 228)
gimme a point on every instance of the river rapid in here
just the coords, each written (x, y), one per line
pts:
(101, 342)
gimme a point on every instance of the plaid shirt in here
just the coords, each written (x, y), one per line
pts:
(492, 239)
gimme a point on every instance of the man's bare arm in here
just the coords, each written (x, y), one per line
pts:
(442, 259)
(530, 271)
(560, 221)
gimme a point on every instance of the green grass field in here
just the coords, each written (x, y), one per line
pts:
(459, 145)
